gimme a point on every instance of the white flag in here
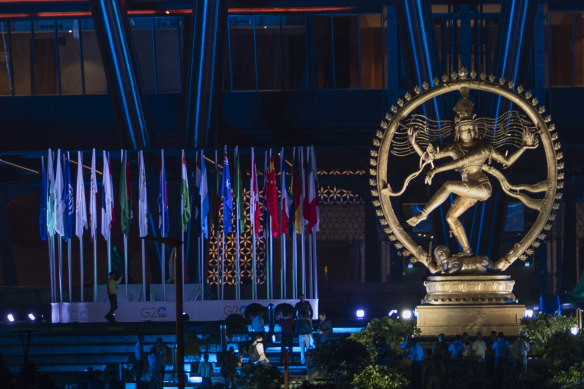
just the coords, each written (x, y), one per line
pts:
(51, 195)
(80, 203)
(92, 199)
(107, 200)
(59, 203)
(142, 198)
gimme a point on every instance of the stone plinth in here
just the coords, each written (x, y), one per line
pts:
(469, 289)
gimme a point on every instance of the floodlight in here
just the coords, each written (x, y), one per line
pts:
(392, 312)
(406, 314)
(360, 313)
(10, 317)
(574, 330)
(31, 316)
(528, 313)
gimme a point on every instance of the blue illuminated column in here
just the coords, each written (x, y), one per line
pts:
(204, 35)
(113, 32)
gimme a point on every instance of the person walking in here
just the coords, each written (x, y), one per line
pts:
(479, 350)
(161, 351)
(522, 348)
(258, 354)
(154, 369)
(139, 357)
(303, 328)
(230, 363)
(112, 294)
(287, 323)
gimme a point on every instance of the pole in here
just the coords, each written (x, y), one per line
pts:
(144, 270)
(283, 266)
(310, 289)
(294, 263)
(60, 269)
(221, 276)
(126, 264)
(94, 269)
(237, 254)
(81, 266)
(180, 344)
(315, 272)
(182, 248)
(109, 256)
(270, 272)
(51, 247)
(202, 265)
(254, 276)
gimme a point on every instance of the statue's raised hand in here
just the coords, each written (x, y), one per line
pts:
(429, 176)
(529, 139)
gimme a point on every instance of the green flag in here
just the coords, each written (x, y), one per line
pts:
(184, 193)
(125, 196)
(239, 192)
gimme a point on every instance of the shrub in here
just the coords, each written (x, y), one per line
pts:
(339, 360)
(571, 378)
(542, 328)
(380, 377)
(260, 377)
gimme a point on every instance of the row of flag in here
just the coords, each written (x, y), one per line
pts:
(63, 210)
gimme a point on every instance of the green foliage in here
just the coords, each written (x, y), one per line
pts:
(542, 328)
(380, 377)
(260, 377)
(339, 360)
(564, 349)
(571, 378)
(392, 330)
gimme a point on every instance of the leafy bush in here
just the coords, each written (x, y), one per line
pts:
(564, 349)
(380, 377)
(542, 328)
(259, 377)
(339, 360)
(392, 330)
(571, 378)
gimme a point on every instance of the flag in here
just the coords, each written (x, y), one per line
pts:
(285, 199)
(298, 190)
(162, 199)
(92, 199)
(265, 217)
(80, 203)
(107, 200)
(142, 198)
(254, 197)
(185, 196)
(272, 201)
(310, 201)
(59, 199)
(69, 199)
(43, 202)
(204, 194)
(227, 196)
(125, 195)
(239, 192)
(51, 198)
(197, 180)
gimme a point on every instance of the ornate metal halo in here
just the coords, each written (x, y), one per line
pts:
(457, 82)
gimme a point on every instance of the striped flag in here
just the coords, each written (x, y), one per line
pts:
(92, 199)
(204, 194)
(254, 196)
(285, 199)
(51, 198)
(185, 196)
(298, 190)
(227, 196)
(310, 201)
(69, 200)
(272, 196)
(107, 200)
(162, 199)
(80, 203)
(239, 192)
(142, 198)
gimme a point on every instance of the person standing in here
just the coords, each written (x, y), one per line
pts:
(230, 363)
(417, 357)
(112, 294)
(501, 348)
(205, 371)
(325, 328)
(522, 348)
(258, 353)
(303, 328)
(154, 369)
(138, 355)
(161, 351)
(287, 323)
(479, 350)
(303, 309)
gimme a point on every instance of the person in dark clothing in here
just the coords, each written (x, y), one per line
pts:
(230, 361)
(325, 328)
(112, 294)
(287, 323)
(303, 309)
(303, 328)
(383, 352)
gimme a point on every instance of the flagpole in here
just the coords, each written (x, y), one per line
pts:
(60, 269)
(237, 255)
(144, 270)
(302, 242)
(223, 267)
(315, 265)
(94, 269)
(202, 265)
(271, 283)
(294, 263)
(126, 263)
(182, 247)
(217, 229)
(51, 247)
(81, 266)
(254, 276)
(69, 273)
(310, 266)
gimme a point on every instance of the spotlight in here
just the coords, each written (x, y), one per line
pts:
(528, 313)
(10, 317)
(406, 314)
(527, 264)
(574, 330)
(360, 313)
(31, 316)
(392, 312)
(410, 265)
(273, 338)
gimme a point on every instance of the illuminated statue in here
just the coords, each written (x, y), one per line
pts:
(445, 263)
(469, 158)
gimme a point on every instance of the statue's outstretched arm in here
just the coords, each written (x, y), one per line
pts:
(529, 142)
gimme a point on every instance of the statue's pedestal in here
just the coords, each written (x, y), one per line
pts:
(458, 303)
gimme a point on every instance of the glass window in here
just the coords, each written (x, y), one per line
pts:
(5, 60)
(269, 52)
(95, 81)
(143, 38)
(372, 43)
(70, 56)
(168, 54)
(346, 52)
(294, 65)
(321, 46)
(21, 57)
(561, 49)
(45, 58)
(242, 52)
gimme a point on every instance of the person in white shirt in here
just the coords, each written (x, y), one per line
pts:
(258, 354)
(479, 350)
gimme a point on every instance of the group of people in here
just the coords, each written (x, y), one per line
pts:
(462, 359)
(156, 359)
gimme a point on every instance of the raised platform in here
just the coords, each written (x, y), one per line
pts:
(455, 319)
(159, 311)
